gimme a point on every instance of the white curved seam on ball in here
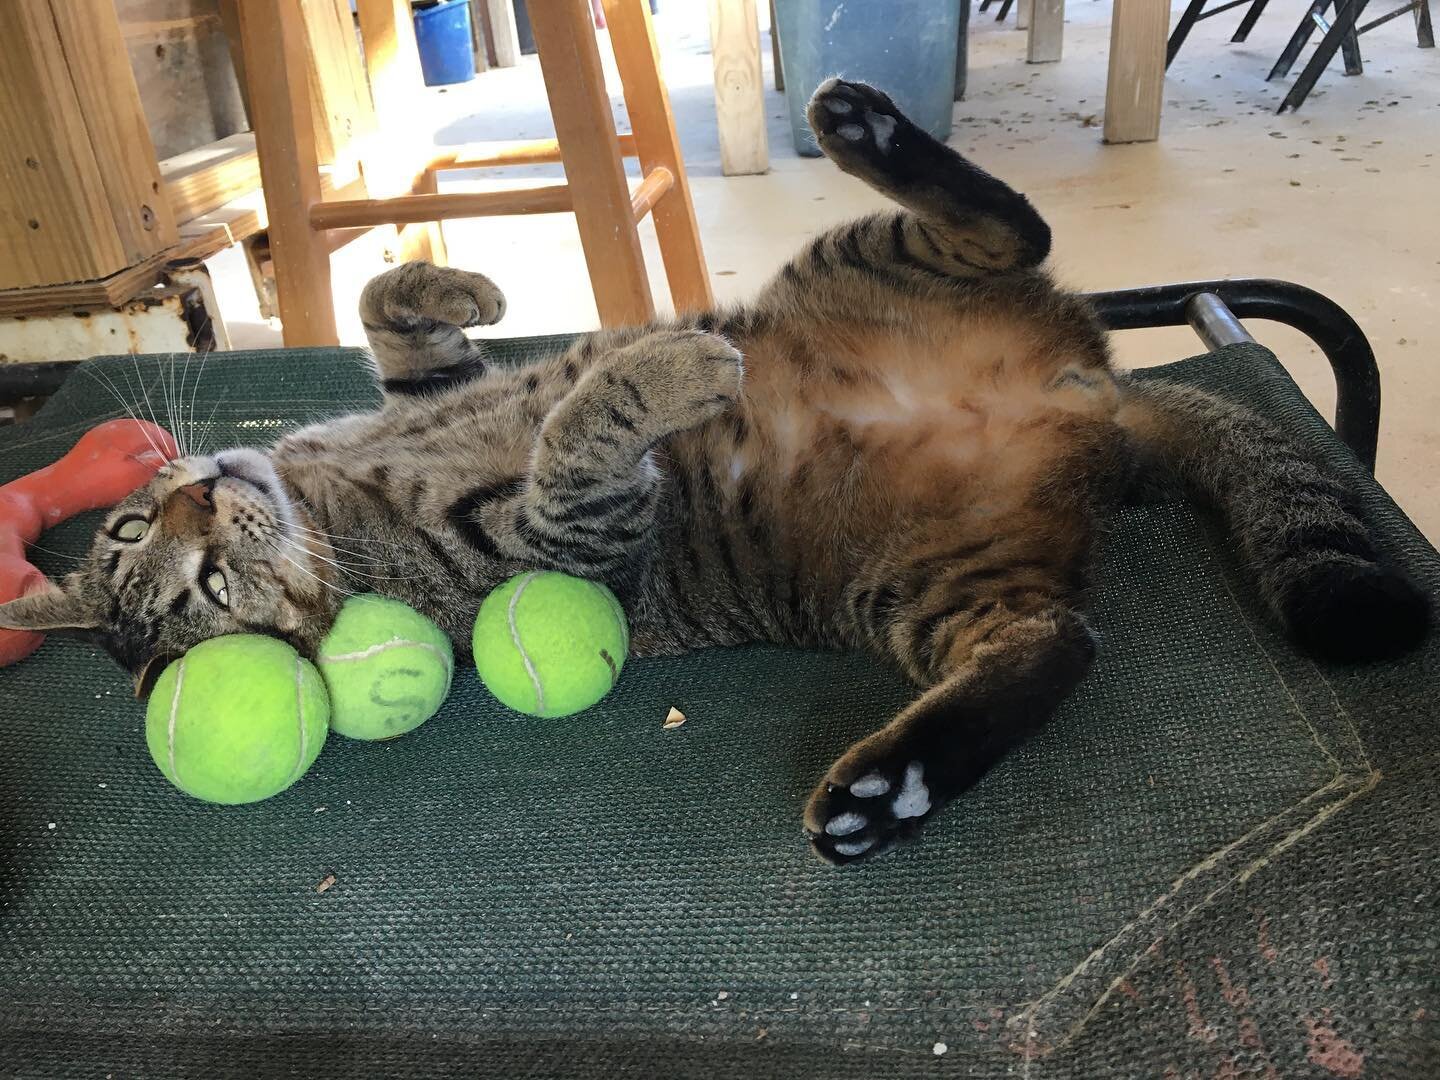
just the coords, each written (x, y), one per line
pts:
(300, 712)
(174, 715)
(515, 639)
(393, 643)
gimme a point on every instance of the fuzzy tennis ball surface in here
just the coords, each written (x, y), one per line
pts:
(548, 644)
(387, 666)
(237, 719)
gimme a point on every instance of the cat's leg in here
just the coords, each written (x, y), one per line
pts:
(959, 222)
(588, 504)
(413, 316)
(998, 660)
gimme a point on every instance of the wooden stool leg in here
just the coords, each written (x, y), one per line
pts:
(590, 149)
(633, 38)
(275, 66)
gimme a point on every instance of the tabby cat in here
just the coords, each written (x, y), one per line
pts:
(906, 443)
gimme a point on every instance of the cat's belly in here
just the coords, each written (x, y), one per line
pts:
(930, 421)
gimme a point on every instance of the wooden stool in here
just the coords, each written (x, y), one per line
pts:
(401, 166)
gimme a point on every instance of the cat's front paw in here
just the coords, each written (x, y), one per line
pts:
(420, 292)
(684, 376)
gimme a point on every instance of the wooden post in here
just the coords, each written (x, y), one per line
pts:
(1047, 31)
(275, 61)
(79, 183)
(504, 37)
(1022, 14)
(575, 84)
(739, 87)
(393, 62)
(633, 37)
(1135, 89)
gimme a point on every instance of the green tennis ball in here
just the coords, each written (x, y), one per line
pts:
(387, 666)
(549, 644)
(237, 719)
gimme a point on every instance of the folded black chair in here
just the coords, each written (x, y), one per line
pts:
(1219, 860)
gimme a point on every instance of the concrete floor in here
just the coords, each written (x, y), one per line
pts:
(1340, 196)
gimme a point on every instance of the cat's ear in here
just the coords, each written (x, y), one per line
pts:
(54, 609)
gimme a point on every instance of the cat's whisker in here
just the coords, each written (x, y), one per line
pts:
(310, 573)
(104, 380)
(346, 569)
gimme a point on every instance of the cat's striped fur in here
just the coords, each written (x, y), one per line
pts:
(925, 440)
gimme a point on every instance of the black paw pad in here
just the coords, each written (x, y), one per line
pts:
(1347, 610)
(871, 814)
(855, 114)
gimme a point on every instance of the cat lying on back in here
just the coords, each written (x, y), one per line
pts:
(907, 442)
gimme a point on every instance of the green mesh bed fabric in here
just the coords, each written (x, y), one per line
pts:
(1219, 860)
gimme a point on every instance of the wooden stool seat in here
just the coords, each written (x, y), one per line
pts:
(399, 173)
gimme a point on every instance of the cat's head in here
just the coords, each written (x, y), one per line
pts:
(211, 546)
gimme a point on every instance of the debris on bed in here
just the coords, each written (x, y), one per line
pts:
(673, 719)
(326, 883)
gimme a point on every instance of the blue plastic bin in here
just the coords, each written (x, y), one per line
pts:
(443, 36)
(905, 47)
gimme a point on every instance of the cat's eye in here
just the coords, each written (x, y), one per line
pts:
(216, 587)
(130, 529)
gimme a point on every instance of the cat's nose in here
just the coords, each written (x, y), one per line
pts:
(200, 493)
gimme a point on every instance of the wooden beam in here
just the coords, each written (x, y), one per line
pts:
(646, 100)
(585, 128)
(1135, 88)
(276, 63)
(739, 87)
(650, 191)
(1047, 32)
(366, 213)
(210, 176)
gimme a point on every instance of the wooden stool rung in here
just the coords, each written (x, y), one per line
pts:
(486, 155)
(409, 209)
(658, 181)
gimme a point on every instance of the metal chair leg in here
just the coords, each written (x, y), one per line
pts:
(1182, 29)
(1004, 10)
(1350, 52)
(1248, 23)
(1344, 26)
(1424, 28)
(1291, 52)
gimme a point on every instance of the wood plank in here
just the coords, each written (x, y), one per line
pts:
(119, 133)
(423, 239)
(274, 39)
(501, 30)
(1022, 14)
(585, 128)
(739, 87)
(1135, 87)
(648, 103)
(1047, 32)
(210, 176)
(76, 163)
(107, 292)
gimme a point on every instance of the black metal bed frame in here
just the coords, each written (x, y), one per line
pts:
(1213, 308)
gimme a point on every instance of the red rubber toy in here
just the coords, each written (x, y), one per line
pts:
(108, 463)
